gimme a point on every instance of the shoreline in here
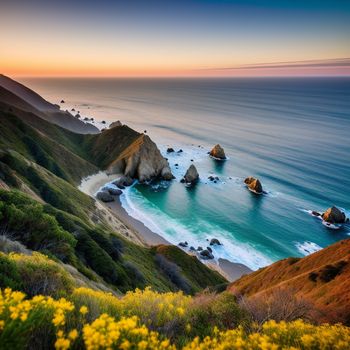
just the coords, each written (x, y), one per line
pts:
(90, 185)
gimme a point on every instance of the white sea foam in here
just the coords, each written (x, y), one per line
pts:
(159, 222)
(307, 247)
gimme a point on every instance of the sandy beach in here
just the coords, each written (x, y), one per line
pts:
(90, 185)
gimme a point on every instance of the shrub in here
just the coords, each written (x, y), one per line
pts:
(27, 223)
(98, 259)
(41, 275)
(9, 274)
(329, 272)
(280, 305)
(111, 244)
(8, 246)
(313, 276)
(209, 310)
(136, 276)
(45, 323)
(173, 272)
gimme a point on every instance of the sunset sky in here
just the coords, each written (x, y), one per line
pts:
(174, 38)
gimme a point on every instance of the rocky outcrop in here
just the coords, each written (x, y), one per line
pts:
(254, 184)
(206, 254)
(218, 152)
(170, 150)
(191, 176)
(114, 124)
(142, 160)
(104, 196)
(112, 191)
(123, 182)
(214, 241)
(334, 216)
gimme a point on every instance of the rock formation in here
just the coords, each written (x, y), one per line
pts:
(142, 160)
(214, 241)
(123, 182)
(112, 191)
(114, 124)
(206, 254)
(191, 176)
(254, 184)
(218, 152)
(170, 150)
(104, 196)
(334, 216)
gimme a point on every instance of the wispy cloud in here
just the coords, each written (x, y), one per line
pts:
(328, 63)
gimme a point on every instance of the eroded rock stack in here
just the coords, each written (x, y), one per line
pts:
(254, 184)
(334, 216)
(191, 176)
(218, 152)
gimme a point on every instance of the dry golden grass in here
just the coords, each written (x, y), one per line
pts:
(306, 276)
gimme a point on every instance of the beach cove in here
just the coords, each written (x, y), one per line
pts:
(281, 131)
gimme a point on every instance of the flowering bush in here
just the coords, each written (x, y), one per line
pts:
(44, 322)
(275, 336)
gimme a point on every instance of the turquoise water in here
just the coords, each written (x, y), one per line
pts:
(291, 133)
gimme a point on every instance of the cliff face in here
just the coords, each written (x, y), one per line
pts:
(323, 278)
(142, 160)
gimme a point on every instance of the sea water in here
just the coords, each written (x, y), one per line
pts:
(291, 133)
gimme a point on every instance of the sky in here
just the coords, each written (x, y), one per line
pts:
(112, 38)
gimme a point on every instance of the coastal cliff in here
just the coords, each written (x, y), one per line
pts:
(142, 160)
(122, 150)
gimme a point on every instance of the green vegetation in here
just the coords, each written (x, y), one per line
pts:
(93, 249)
(51, 147)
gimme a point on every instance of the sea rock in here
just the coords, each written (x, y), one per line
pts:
(114, 124)
(214, 241)
(183, 244)
(191, 175)
(170, 150)
(103, 122)
(78, 116)
(199, 249)
(62, 101)
(218, 152)
(104, 196)
(211, 250)
(254, 184)
(123, 182)
(180, 151)
(114, 191)
(334, 216)
(144, 161)
(206, 254)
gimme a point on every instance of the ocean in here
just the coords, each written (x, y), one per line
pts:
(291, 133)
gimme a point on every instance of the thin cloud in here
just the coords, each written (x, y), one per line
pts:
(329, 63)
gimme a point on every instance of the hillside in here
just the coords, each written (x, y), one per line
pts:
(42, 210)
(23, 98)
(323, 278)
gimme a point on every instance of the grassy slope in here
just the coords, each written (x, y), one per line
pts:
(55, 154)
(322, 277)
(46, 162)
(104, 148)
